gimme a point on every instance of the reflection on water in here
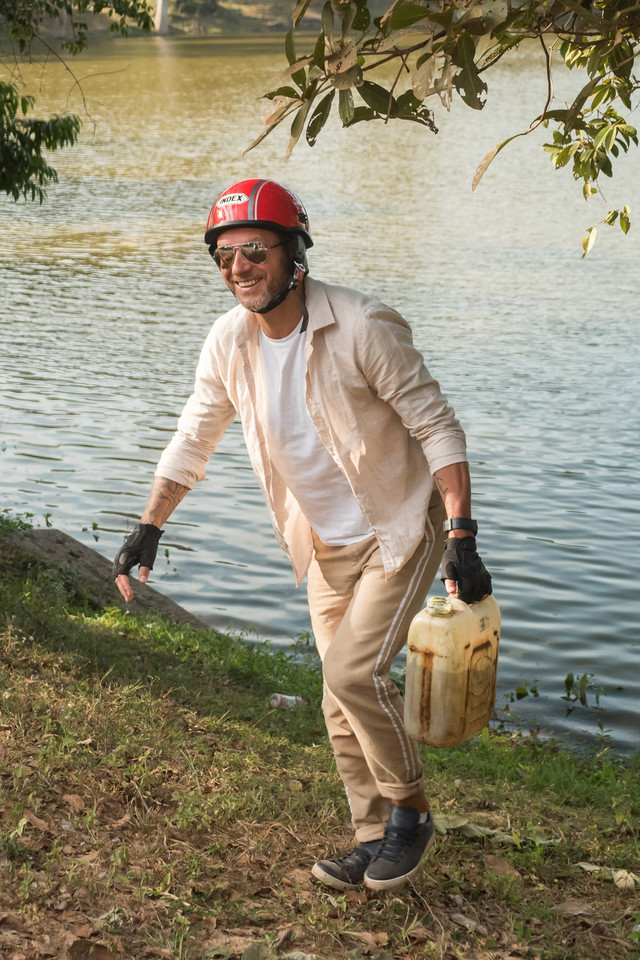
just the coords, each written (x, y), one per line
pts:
(107, 292)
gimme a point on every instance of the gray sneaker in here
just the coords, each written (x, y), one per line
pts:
(403, 846)
(346, 873)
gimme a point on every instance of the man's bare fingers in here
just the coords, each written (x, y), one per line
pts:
(143, 574)
(451, 586)
(123, 585)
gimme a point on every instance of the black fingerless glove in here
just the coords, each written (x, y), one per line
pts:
(462, 564)
(139, 548)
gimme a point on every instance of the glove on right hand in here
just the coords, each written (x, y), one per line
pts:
(461, 563)
(139, 548)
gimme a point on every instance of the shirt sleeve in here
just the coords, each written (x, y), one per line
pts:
(397, 372)
(203, 421)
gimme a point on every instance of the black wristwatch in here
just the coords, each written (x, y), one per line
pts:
(460, 523)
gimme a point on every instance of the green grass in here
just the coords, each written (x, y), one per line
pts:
(152, 803)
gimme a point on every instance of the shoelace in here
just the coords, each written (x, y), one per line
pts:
(395, 842)
(356, 858)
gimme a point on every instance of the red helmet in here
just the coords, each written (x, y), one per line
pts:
(258, 203)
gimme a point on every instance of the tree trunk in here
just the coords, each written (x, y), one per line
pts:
(161, 19)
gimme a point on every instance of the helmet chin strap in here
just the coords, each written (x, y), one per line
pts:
(297, 276)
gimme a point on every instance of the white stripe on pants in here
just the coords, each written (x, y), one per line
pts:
(360, 622)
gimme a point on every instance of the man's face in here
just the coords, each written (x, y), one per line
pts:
(255, 284)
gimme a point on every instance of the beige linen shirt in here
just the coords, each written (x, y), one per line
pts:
(375, 406)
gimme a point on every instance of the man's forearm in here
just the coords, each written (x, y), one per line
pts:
(164, 498)
(454, 484)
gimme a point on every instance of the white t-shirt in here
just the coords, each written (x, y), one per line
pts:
(298, 453)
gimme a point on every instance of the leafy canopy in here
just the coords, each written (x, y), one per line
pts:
(442, 48)
(24, 171)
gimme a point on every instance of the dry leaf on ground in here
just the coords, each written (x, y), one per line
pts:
(573, 908)
(502, 868)
(623, 879)
(83, 950)
(35, 821)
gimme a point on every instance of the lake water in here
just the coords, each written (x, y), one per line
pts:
(107, 292)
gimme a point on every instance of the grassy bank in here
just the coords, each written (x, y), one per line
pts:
(153, 804)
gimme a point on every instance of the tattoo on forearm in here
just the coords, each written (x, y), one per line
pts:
(442, 487)
(170, 492)
(165, 497)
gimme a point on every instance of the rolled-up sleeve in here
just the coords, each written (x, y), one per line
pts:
(396, 370)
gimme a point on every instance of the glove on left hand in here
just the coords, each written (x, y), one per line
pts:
(462, 564)
(140, 548)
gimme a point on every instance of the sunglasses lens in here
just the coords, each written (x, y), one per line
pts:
(253, 251)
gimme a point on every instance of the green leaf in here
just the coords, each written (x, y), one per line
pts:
(297, 126)
(463, 51)
(585, 678)
(444, 18)
(625, 219)
(562, 157)
(299, 11)
(362, 18)
(405, 13)
(327, 21)
(601, 93)
(362, 113)
(468, 82)
(409, 107)
(471, 86)
(622, 58)
(377, 97)
(318, 52)
(579, 102)
(588, 240)
(300, 78)
(350, 78)
(289, 47)
(345, 107)
(610, 137)
(603, 137)
(319, 118)
(628, 131)
(583, 12)
(280, 92)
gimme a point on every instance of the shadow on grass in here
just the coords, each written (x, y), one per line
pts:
(207, 671)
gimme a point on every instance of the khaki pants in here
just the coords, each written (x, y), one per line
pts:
(360, 622)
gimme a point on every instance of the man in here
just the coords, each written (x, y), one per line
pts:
(346, 431)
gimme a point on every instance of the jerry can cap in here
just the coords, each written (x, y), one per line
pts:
(439, 606)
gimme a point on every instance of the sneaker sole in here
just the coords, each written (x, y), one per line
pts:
(330, 881)
(393, 882)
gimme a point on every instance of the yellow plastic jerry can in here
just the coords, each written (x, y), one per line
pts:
(452, 662)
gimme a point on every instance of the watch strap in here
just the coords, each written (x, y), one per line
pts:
(460, 523)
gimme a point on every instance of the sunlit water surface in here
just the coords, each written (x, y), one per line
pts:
(107, 292)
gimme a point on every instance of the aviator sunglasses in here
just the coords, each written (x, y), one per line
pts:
(253, 250)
